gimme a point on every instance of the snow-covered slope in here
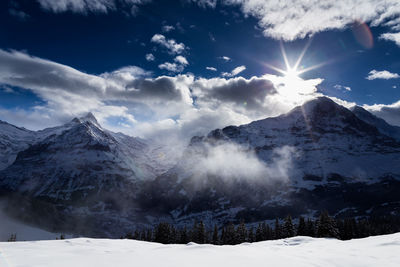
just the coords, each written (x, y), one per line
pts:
(23, 232)
(382, 125)
(296, 251)
(13, 140)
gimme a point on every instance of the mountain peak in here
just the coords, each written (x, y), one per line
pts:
(319, 107)
(89, 117)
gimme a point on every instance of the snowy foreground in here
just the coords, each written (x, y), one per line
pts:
(297, 251)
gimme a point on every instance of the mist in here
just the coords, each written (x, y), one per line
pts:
(233, 162)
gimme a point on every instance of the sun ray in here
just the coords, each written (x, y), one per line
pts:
(296, 65)
(284, 56)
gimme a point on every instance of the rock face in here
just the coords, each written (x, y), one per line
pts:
(85, 179)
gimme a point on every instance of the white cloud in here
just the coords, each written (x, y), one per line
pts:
(384, 74)
(234, 162)
(290, 20)
(342, 87)
(170, 44)
(68, 92)
(168, 28)
(395, 37)
(234, 72)
(94, 6)
(390, 113)
(150, 57)
(205, 3)
(172, 67)
(181, 60)
(211, 68)
(225, 58)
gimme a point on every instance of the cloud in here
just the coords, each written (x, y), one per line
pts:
(225, 58)
(204, 3)
(390, 113)
(170, 44)
(91, 6)
(181, 60)
(172, 67)
(168, 109)
(395, 37)
(248, 93)
(211, 68)
(168, 28)
(150, 57)
(178, 66)
(69, 92)
(234, 72)
(342, 87)
(19, 14)
(290, 20)
(384, 74)
(231, 161)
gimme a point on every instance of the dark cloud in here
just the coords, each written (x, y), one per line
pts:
(249, 92)
(162, 88)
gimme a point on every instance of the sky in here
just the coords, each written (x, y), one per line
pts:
(174, 69)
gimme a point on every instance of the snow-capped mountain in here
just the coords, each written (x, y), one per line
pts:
(318, 156)
(83, 178)
(82, 168)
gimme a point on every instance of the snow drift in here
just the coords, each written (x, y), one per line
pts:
(296, 251)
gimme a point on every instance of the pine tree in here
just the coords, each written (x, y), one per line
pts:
(136, 235)
(162, 233)
(277, 230)
(327, 226)
(288, 228)
(251, 235)
(215, 238)
(310, 228)
(259, 233)
(302, 229)
(230, 234)
(241, 233)
(200, 233)
(149, 235)
(184, 238)
(223, 237)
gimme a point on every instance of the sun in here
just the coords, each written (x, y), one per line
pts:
(289, 83)
(291, 74)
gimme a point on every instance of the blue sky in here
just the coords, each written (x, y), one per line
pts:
(104, 43)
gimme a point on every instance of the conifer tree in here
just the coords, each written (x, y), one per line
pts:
(184, 238)
(326, 226)
(288, 228)
(200, 233)
(310, 228)
(277, 230)
(215, 238)
(301, 228)
(259, 233)
(251, 237)
(241, 233)
(162, 233)
(230, 234)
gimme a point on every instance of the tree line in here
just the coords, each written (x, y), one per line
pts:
(324, 226)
